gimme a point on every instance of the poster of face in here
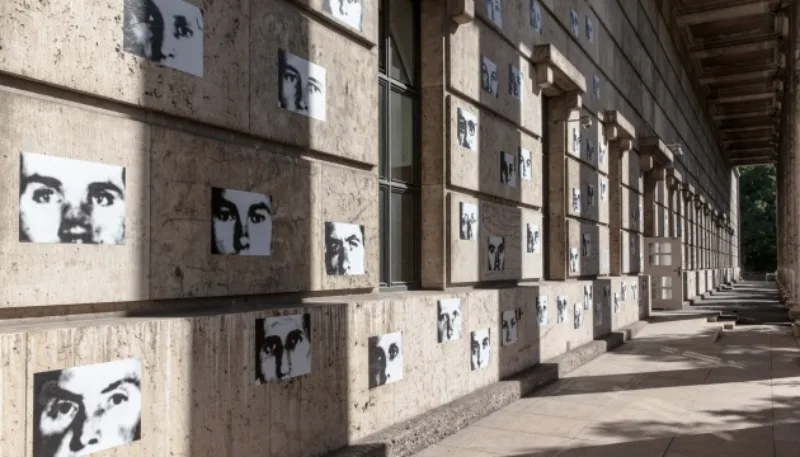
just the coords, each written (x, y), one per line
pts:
(467, 129)
(536, 16)
(301, 86)
(541, 310)
(590, 195)
(574, 22)
(616, 303)
(623, 290)
(586, 243)
(603, 188)
(606, 294)
(70, 201)
(507, 172)
(633, 291)
(598, 314)
(510, 326)
(533, 238)
(344, 249)
(573, 260)
(284, 347)
(561, 310)
(578, 315)
(481, 343)
(241, 222)
(169, 32)
(525, 164)
(601, 156)
(514, 82)
(587, 296)
(576, 140)
(82, 410)
(495, 12)
(449, 320)
(385, 359)
(496, 251)
(589, 150)
(468, 226)
(346, 11)
(576, 200)
(595, 86)
(489, 79)
(589, 30)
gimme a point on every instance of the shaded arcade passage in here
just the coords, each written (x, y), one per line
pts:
(671, 392)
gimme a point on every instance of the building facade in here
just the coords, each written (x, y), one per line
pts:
(288, 224)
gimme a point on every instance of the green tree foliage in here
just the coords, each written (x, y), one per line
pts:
(757, 191)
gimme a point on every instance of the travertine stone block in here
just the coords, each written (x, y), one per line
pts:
(14, 401)
(97, 273)
(351, 126)
(366, 28)
(500, 242)
(90, 59)
(480, 169)
(473, 42)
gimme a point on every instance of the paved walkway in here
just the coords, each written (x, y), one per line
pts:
(671, 392)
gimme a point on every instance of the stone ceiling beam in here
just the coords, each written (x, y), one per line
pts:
(765, 45)
(723, 14)
(742, 98)
(737, 77)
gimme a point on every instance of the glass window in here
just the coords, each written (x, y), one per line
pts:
(399, 139)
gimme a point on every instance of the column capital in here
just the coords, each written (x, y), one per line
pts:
(555, 75)
(653, 153)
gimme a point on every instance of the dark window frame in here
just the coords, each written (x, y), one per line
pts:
(387, 186)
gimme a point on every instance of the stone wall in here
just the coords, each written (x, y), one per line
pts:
(72, 88)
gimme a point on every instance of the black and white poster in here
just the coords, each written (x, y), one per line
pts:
(449, 319)
(525, 164)
(576, 140)
(598, 314)
(514, 82)
(385, 359)
(589, 30)
(561, 309)
(70, 201)
(536, 16)
(624, 291)
(573, 260)
(574, 22)
(481, 343)
(169, 32)
(510, 326)
(576, 200)
(467, 129)
(241, 222)
(344, 249)
(601, 156)
(603, 188)
(542, 316)
(301, 86)
(616, 303)
(586, 244)
(82, 410)
(587, 296)
(283, 345)
(494, 10)
(589, 150)
(508, 175)
(349, 12)
(489, 79)
(589, 195)
(578, 315)
(468, 225)
(532, 238)
(595, 85)
(633, 291)
(497, 256)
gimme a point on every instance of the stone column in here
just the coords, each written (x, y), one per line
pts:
(619, 133)
(793, 167)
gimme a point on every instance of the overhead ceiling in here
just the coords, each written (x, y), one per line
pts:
(736, 51)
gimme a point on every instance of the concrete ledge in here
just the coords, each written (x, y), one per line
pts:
(417, 433)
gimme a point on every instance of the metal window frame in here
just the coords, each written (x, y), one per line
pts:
(390, 85)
